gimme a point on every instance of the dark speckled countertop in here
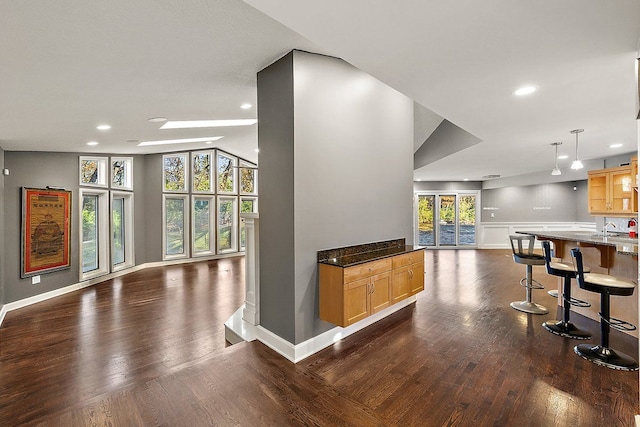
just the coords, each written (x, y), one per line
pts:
(622, 243)
(361, 258)
(359, 254)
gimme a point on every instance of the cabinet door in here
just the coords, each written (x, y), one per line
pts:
(597, 190)
(400, 284)
(380, 292)
(417, 278)
(622, 197)
(356, 300)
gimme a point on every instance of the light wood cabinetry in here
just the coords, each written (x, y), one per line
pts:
(611, 192)
(634, 172)
(348, 295)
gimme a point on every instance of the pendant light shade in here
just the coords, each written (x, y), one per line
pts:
(556, 170)
(577, 164)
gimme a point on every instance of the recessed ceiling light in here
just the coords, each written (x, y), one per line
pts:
(187, 124)
(525, 90)
(92, 143)
(179, 141)
(209, 142)
(466, 179)
(132, 141)
(257, 150)
(615, 145)
(246, 106)
(418, 179)
(157, 119)
(562, 157)
(103, 127)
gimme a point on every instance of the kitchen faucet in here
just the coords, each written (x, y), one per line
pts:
(604, 229)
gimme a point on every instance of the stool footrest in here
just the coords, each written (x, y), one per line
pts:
(577, 302)
(618, 324)
(534, 284)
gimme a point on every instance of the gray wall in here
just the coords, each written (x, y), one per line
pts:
(346, 166)
(152, 199)
(2, 228)
(447, 185)
(535, 203)
(275, 140)
(41, 169)
(444, 141)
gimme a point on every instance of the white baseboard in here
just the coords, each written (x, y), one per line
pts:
(296, 353)
(85, 284)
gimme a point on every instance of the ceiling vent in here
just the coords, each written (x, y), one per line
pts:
(490, 176)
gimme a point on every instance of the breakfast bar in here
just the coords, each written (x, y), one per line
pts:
(612, 254)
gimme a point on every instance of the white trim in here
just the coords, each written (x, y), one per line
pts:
(212, 166)
(186, 226)
(296, 353)
(128, 218)
(103, 217)
(101, 166)
(495, 235)
(128, 173)
(87, 283)
(187, 172)
(234, 225)
(211, 198)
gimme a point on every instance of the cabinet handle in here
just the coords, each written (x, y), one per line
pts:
(373, 288)
(410, 274)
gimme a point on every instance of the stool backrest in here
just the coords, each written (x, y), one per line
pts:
(546, 248)
(577, 257)
(522, 244)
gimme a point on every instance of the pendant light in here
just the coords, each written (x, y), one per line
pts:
(577, 164)
(556, 170)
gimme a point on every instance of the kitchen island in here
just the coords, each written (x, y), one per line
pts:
(611, 254)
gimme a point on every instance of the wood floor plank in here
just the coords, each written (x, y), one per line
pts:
(148, 349)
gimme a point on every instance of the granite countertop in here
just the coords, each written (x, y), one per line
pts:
(622, 243)
(361, 258)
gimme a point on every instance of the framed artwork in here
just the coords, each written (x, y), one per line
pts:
(46, 231)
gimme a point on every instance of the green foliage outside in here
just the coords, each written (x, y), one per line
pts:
(174, 173)
(201, 172)
(467, 211)
(225, 174)
(246, 180)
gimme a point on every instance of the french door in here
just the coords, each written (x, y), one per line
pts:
(446, 219)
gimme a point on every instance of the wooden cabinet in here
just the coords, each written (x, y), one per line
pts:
(350, 294)
(634, 172)
(611, 192)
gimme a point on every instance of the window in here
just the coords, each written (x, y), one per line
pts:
(203, 219)
(176, 224)
(202, 167)
(122, 251)
(226, 173)
(247, 205)
(93, 171)
(227, 224)
(248, 178)
(175, 172)
(94, 246)
(447, 219)
(122, 173)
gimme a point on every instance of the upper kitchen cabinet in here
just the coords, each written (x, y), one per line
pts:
(612, 193)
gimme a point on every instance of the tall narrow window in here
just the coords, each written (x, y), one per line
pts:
(227, 224)
(202, 167)
(447, 218)
(426, 228)
(90, 218)
(203, 220)
(226, 173)
(117, 227)
(175, 172)
(248, 178)
(247, 205)
(467, 221)
(94, 240)
(176, 224)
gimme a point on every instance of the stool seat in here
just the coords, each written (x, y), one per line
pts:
(596, 282)
(563, 268)
(522, 248)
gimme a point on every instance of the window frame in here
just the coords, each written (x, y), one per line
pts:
(129, 240)
(234, 226)
(103, 211)
(186, 235)
(234, 173)
(213, 235)
(187, 159)
(101, 170)
(243, 164)
(241, 226)
(128, 173)
(212, 170)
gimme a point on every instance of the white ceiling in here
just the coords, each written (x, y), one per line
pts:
(67, 66)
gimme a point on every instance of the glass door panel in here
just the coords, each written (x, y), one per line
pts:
(89, 233)
(117, 225)
(426, 230)
(467, 220)
(447, 220)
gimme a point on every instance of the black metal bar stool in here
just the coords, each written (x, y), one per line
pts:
(522, 247)
(564, 327)
(606, 286)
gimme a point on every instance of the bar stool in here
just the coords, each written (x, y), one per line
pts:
(524, 255)
(606, 286)
(564, 327)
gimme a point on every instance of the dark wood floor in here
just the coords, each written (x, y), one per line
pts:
(148, 349)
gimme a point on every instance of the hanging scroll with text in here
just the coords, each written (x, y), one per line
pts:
(46, 231)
